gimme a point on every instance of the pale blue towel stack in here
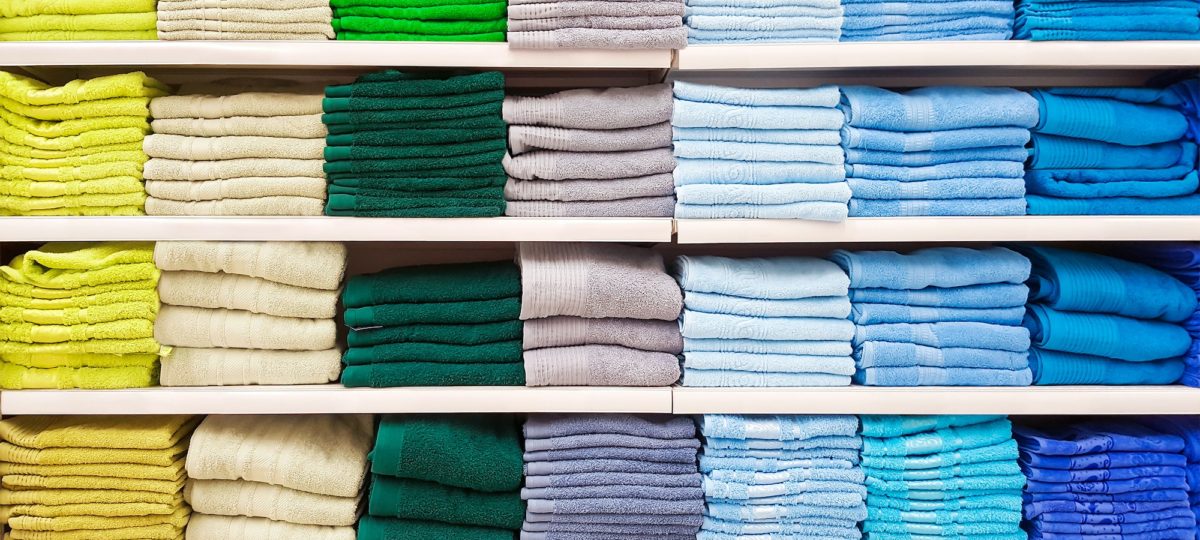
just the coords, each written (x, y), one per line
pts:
(947, 316)
(764, 322)
(775, 477)
(938, 151)
(941, 477)
(759, 153)
(763, 21)
(921, 20)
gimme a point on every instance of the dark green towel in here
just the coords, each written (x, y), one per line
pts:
(358, 166)
(377, 528)
(460, 334)
(336, 4)
(396, 83)
(399, 118)
(434, 283)
(452, 12)
(355, 205)
(413, 150)
(388, 103)
(416, 198)
(464, 312)
(488, 170)
(392, 137)
(433, 374)
(417, 499)
(481, 121)
(405, 185)
(500, 352)
(381, 36)
(441, 212)
(473, 451)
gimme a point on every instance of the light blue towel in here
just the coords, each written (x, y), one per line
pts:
(823, 96)
(938, 108)
(848, 508)
(777, 427)
(866, 24)
(933, 141)
(922, 159)
(932, 267)
(989, 468)
(947, 439)
(942, 495)
(761, 277)
(740, 492)
(814, 211)
(974, 7)
(1051, 152)
(945, 171)
(989, 295)
(1059, 368)
(862, 314)
(750, 477)
(976, 515)
(1108, 120)
(780, 36)
(820, 499)
(998, 501)
(830, 441)
(941, 35)
(1110, 336)
(955, 188)
(736, 194)
(845, 454)
(711, 378)
(1043, 185)
(884, 426)
(760, 4)
(837, 307)
(715, 171)
(740, 530)
(803, 348)
(948, 530)
(790, 153)
(769, 363)
(875, 354)
(755, 24)
(1008, 481)
(781, 136)
(952, 334)
(780, 11)
(720, 115)
(712, 463)
(716, 325)
(930, 376)
(1041, 205)
(937, 207)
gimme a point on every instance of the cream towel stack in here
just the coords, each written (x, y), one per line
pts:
(253, 152)
(289, 476)
(295, 20)
(242, 313)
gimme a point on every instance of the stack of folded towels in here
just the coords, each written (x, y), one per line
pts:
(597, 315)
(1096, 319)
(941, 477)
(918, 20)
(241, 313)
(1111, 151)
(763, 21)
(74, 149)
(946, 316)
(937, 151)
(237, 149)
(781, 477)
(289, 476)
(419, 20)
(92, 477)
(1188, 429)
(1107, 20)
(603, 476)
(86, 20)
(449, 477)
(764, 322)
(416, 145)
(759, 153)
(293, 20)
(590, 153)
(448, 324)
(604, 24)
(76, 315)
(1104, 479)
(1182, 261)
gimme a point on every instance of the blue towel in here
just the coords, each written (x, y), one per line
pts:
(937, 108)
(863, 314)
(1071, 508)
(774, 194)
(1187, 96)
(1177, 510)
(922, 159)
(1059, 368)
(932, 267)
(883, 426)
(739, 492)
(720, 115)
(756, 24)
(1115, 22)
(1099, 475)
(810, 153)
(769, 363)
(781, 136)
(937, 207)
(1185, 427)
(813, 211)
(778, 36)
(989, 295)
(741, 476)
(803, 348)
(989, 468)
(1088, 437)
(933, 141)
(777, 427)
(845, 454)
(874, 354)
(948, 439)
(1160, 495)
(955, 334)
(946, 530)
(1186, 164)
(1173, 534)
(1002, 482)
(928, 376)
(837, 307)
(974, 7)
(1135, 8)
(1110, 336)
(965, 21)
(849, 510)
(710, 463)
(711, 378)
(1108, 120)
(716, 171)
(1011, 502)
(737, 530)
(811, 443)
(761, 277)
(1149, 483)
(954, 188)
(1137, 94)
(1042, 185)
(1188, 523)
(942, 35)
(1103, 460)
(824, 96)
(1040, 205)
(1051, 152)
(945, 171)
(790, 11)
(977, 515)
(943, 494)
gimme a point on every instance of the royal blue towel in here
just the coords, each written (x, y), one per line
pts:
(1052, 152)
(1088, 437)
(1110, 336)
(953, 188)
(1187, 428)
(1161, 495)
(874, 354)
(922, 159)
(1071, 508)
(1043, 185)
(1108, 120)
(1122, 529)
(1103, 460)
(952, 334)
(1148, 483)
(991, 295)
(937, 207)
(823, 96)
(1062, 368)
(864, 314)
(933, 141)
(932, 267)
(1100, 475)
(719, 171)
(780, 278)
(937, 108)
(1040, 205)
(931, 376)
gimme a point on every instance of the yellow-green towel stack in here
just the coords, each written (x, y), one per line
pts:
(76, 149)
(76, 20)
(94, 477)
(79, 315)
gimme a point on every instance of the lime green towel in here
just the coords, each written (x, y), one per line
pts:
(78, 360)
(142, 295)
(74, 316)
(68, 174)
(15, 377)
(433, 374)
(405, 26)
(83, 35)
(417, 499)
(104, 186)
(348, 104)
(91, 346)
(460, 334)
(419, 184)
(131, 157)
(111, 22)
(24, 8)
(52, 333)
(451, 12)
(31, 481)
(82, 211)
(481, 452)
(65, 128)
(69, 265)
(501, 352)
(121, 106)
(42, 293)
(377, 528)
(69, 204)
(395, 137)
(65, 456)
(26, 152)
(395, 83)
(148, 432)
(112, 470)
(89, 139)
(34, 92)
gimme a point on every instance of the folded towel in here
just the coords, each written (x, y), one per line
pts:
(617, 506)
(655, 185)
(825, 96)
(864, 314)
(217, 367)
(170, 169)
(945, 171)
(434, 283)
(606, 466)
(297, 15)
(932, 267)
(1050, 152)
(780, 136)
(712, 171)
(154, 432)
(1046, 206)
(317, 265)
(418, 499)
(231, 147)
(873, 354)
(928, 8)
(526, 138)
(1045, 185)
(757, 24)
(837, 307)
(563, 165)
(415, 447)
(760, 152)
(261, 206)
(933, 141)
(947, 335)
(1104, 119)
(237, 188)
(990, 295)
(819, 211)
(597, 22)
(931, 376)
(257, 104)
(545, 426)
(239, 292)
(254, 499)
(611, 271)
(1091, 437)
(433, 374)
(1110, 336)
(1056, 367)
(937, 108)
(615, 479)
(800, 348)
(206, 527)
(304, 126)
(200, 327)
(470, 312)
(646, 335)
(599, 365)
(634, 207)
(695, 324)
(733, 378)
(782, 428)
(721, 115)
(608, 108)
(920, 159)
(594, 38)
(772, 278)
(484, 353)
(215, 35)
(936, 207)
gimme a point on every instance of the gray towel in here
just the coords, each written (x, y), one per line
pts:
(574, 466)
(606, 440)
(639, 207)
(591, 108)
(628, 22)
(615, 492)
(602, 535)
(660, 336)
(598, 38)
(526, 138)
(632, 518)
(613, 479)
(662, 455)
(617, 506)
(655, 185)
(584, 8)
(613, 530)
(658, 426)
(595, 281)
(599, 365)
(561, 165)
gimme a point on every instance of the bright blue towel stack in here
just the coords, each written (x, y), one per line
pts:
(776, 477)
(1107, 20)
(1182, 261)
(941, 477)
(1188, 429)
(1109, 478)
(1111, 151)
(945, 316)
(764, 322)
(763, 21)
(921, 20)
(938, 151)
(1095, 319)
(759, 153)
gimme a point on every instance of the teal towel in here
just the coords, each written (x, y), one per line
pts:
(472, 311)
(423, 184)
(352, 104)
(497, 352)
(343, 153)
(943, 440)
(1005, 501)
(417, 199)
(474, 451)
(1110, 336)
(974, 515)
(484, 120)
(418, 499)
(396, 137)
(394, 83)
(414, 117)
(1009, 481)
(457, 334)
(946, 530)
(350, 207)
(379, 528)
(398, 374)
(413, 164)
(878, 425)
(1006, 450)
(403, 176)
(435, 283)
(987, 468)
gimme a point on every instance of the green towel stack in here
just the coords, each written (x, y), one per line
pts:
(77, 20)
(416, 145)
(420, 20)
(446, 477)
(438, 325)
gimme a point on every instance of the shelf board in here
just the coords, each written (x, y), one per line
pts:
(291, 54)
(941, 229)
(967, 54)
(321, 228)
(331, 399)
(1031, 400)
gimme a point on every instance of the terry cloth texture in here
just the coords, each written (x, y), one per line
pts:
(419, 20)
(76, 20)
(434, 325)
(1179, 260)
(934, 151)
(569, 153)
(76, 149)
(954, 20)
(741, 315)
(79, 315)
(759, 153)
(244, 313)
(764, 21)
(416, 145)
(245, 20)
(1091, 20)
(656, 494)
(585, 299)
(946, 316)
(94, 476)
(599, 24)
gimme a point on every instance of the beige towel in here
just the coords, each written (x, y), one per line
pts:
(238, 188)
(317, 265)
(171, 5)
(174, 169)
(200, 327)
(322, 28)
(206, 35)
(244, 104)
(274, 16)
(205, 527)
(217, 148)
(234, 291)
(239, 367)
(260, 206)
(321, 453)
(303, 126)
(256, 499)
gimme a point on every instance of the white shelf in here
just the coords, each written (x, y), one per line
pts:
(319, 399)
(1033, 400)
(320, 228)
(941, 229)
(287, 54)
(990, 54)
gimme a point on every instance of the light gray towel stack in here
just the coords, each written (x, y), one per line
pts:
(293, 20)
(598, 315)
(590, 153)
(596, 24)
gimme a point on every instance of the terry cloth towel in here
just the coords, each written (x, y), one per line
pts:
(200, 327)
(185, 366)
(407, 20)
(592, 108)
(599, 365)
(1098, 21)
(315, 265)
(590, 37)
(206, 527)
(644, 335)
(255, 20)
(1179, 261)
(595, 281)
(256, 499)
(233, 291)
